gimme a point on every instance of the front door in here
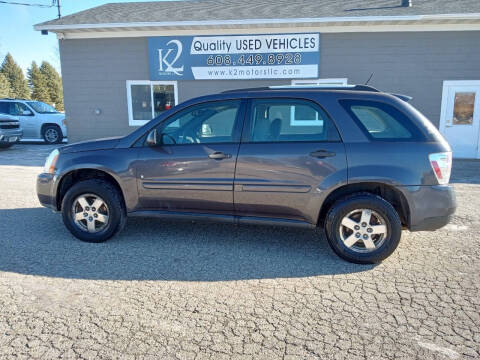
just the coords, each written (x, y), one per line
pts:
(460, 118)
(289, 149)
(193, 166)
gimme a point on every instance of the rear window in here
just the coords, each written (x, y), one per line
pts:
(381, 121)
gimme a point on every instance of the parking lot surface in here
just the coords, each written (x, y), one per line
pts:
(164, 289)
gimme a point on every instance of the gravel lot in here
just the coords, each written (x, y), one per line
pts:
(196, 290)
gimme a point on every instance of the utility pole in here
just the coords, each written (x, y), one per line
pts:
(58, 7)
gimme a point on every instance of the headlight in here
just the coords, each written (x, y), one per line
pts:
(51, 162)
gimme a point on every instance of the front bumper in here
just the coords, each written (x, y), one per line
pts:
(431, 207)
(46, 190)
(6, 134)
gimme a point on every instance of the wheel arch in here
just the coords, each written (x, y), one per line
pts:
(388, 192)
(75, 175)
(44, 125)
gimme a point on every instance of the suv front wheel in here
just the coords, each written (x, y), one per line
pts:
(93, 210)
(52, 134)
(363, 228)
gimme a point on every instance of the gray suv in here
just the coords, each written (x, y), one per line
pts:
(357, 162)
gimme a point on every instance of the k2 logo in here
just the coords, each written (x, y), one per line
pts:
(165, 64)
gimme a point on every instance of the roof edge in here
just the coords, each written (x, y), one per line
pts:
(324, 20)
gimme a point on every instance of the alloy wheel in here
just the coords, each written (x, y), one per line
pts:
(90, 213)
(363, 230)
(51, 135)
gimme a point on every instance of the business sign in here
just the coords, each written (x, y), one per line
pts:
(274, 56)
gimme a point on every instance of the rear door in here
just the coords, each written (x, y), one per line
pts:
(290, 151)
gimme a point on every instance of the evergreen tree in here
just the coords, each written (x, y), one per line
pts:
(54, 84)
(16, 78)
(5, 90)
(38, 84)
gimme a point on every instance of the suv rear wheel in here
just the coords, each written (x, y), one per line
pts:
(93, 210)
(363, 228)
(52, 134)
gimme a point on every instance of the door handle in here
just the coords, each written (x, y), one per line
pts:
(322, 154)
(218, 155)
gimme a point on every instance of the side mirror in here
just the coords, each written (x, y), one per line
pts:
(152, 138)
(27, 113)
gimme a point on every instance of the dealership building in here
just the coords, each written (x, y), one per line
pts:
(125, 63)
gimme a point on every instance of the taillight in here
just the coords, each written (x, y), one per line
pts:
(442, 166)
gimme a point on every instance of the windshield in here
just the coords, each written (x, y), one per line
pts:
(42, 108)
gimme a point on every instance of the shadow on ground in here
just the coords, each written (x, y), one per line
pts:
(34, 241)
(465, 171)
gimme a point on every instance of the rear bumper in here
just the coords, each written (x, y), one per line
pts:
(6, 134)
(431, 207)
(46, 190)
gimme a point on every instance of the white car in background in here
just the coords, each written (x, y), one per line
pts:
(38, 120)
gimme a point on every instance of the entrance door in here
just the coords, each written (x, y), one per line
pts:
(193, 166)
(460, 117)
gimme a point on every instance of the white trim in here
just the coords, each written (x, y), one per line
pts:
(446, 98)
(129, 83)
(350, 19)
(284, 29)
(295, 122)
(461, 83)
(327, 81)
(446, 104)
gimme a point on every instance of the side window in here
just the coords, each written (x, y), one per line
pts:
(13, 108)
(279, 120)
(381, 121)
(22, 109)
(4, 107)
(206, 123)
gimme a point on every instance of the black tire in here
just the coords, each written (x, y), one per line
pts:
(113, 200)
(347, 205)
(6, 145)
(52, 134)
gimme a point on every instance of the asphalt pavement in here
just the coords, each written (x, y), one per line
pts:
(178, 289)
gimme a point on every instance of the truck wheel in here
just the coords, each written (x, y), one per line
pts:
(363, 228)
(93, 210)
(52, 134)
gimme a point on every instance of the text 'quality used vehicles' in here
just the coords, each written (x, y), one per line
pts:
(39, 121)
(357, 162)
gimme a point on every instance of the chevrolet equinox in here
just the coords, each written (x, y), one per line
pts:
(357, 162)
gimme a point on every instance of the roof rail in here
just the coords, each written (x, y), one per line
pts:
(403, 97)
(246, 89)
(307, 86)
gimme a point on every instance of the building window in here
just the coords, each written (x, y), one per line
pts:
(323, 82)
(148, 99)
